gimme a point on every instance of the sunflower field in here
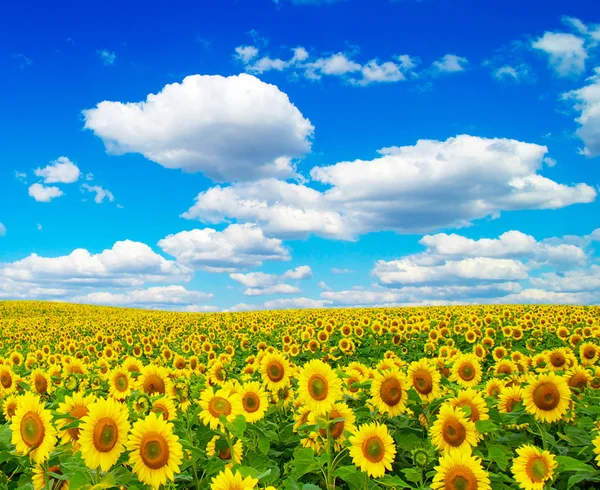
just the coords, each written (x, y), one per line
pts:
(461, 398)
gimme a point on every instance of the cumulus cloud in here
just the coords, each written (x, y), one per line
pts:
(126, 264)
(409, 189)
(587, 103)
(566, 52)
(450, 63)
(60, 171)
(42, 193)
(229, 128)
(260, 283)
(162, 297)
(236, 247)
(100, 192)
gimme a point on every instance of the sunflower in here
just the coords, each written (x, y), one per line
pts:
(372, 449)
(38, 479)
(472, 399)
(533, 467)
(275, 371)
(254, 401)
(8, 381)
(224, 453)
(217, 403)
(596, 443)
(578, 378)
(32, 429)
(9, 407)
(155, 380)
(509, 397)
(389, 392)
(494, 387)
(318, 386)
(41, 382)
(120, 383)
(588, 353)
(165, 406)
(337, 429)
(77, 407)
(453, 430)
(466, 370)
(460, 471)
(154, 451)
(103, 432)
(425, 380)
(226, 480)
(557, 359)
(547, 397)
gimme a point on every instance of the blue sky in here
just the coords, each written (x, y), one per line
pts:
(235, 155)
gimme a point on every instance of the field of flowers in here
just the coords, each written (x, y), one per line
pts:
(458, 398)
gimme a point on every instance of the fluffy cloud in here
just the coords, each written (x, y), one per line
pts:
(566, 52)
(587, 102)
(450, 63)
(2, 230)
(107, 57)
(229, 128)
(60, 171)
(259, 283)
(163, 297)
(100, 192)
(42, 193)
(335, 270)
(570, 281)
(410, 189)
(236, 247)
(126, 264)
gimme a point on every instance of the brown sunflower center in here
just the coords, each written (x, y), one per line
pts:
(106, 434)
(336, 429)
(32, 429)
(557, 359)
(546, 396)
(578, 381)
(589, 352)
(11, 408)
(318, 387)
(537, 469)
(275, 371)
(121, 383)
(219, 406)
(423, 382)
(454, 432)
(251, 402)
(475, 416)
(154, 450)
(351, 381)
(373, 449)
(466, 372)
(391, 392)
(6, 380)
(41, 385)
(154, 384)
(77, 412)
(160, 408)
(460, 478)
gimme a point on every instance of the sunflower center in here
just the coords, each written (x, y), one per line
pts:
(106, 434)
(77, 412)
(351, 381)
(589, 352)
(6, 380)
(557, 359)
(373, 449)
(391, 392)
(578, 381)
(219, 406)
(318, 387)
(474, 410)
(41, 385)
(546, 396)
(537, 470)
(423, 382)
(467, 372)
(159, 408)
(154, 384)
(460, 478)
(121, 382)
(32, 429)
(337, 429)
(454, 432)
(275, 371)
(154, 450)
(225, 454)
(251, 402)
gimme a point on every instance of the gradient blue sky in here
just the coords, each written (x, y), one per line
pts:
(205, 156)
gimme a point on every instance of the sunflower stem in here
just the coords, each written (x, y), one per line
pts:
(330, 479)
(366, 481)
(543, 435)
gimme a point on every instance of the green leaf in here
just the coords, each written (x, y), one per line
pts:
(394, 481)
(499, 454)
(238, 426)
(485, 426)
(412, 475)
(567, 463)
(264, 445)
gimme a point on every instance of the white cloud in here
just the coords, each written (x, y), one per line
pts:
(100, 192)
(107, 57)
(576, 280)
(246, 53)
(43, 193)
(2, 230)
(39, 227)
(89, 176)
(323, 285)
(259, 283)
(516, 73)
(410, 189)
(587, 102)
(335, 270)
(170, 297)
(417, 270)
(21, 176)
(295, 303)
(60, 171)
(229, 128)
(236, 247)
(595, 235)
(126, 264)
(566, 52)
(450, 63)
(242, 307)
